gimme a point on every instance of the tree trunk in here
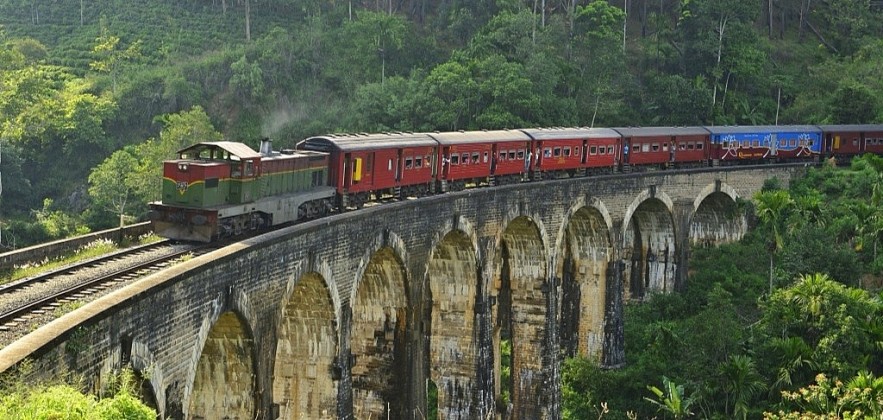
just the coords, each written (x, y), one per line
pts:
(771, 273)
(81, 12)
(770, 18)
(248, 20)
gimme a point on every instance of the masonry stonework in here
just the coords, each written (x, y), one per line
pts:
(364, 314)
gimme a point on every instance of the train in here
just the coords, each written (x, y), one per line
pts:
(220, 189)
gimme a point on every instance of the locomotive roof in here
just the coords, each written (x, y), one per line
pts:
(661, 131)
(852, 128)
(487, 136)
(239, 150)
(355, 142)
(736, 129)
(571, 133)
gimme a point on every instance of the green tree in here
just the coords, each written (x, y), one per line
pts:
(742, 383)
(670, 399)
(772, 209)
(111, 183)
(110, 57)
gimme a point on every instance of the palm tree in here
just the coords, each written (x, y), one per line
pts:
(742, 383)
(772, 208)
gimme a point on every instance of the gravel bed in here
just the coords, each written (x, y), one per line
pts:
(10, 300)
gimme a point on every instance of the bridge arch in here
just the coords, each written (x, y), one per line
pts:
(453, 280)
(717, 217)
(521, 309)
(379, 326)
(302, 383)
(649, 244)
(585, 247)
(224, 378)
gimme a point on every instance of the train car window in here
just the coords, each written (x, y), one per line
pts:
(664, 147)
(645, 147)
(576, 151)
(556, 152)
(855, 142)
(512, 155)
(755, 143)
(408, 163)
(464, 159)
(655, 147)
(547, 152)
(520, 154)
(690, 146)
(593, 150)
(455, 159)
(483, 157)
(683, 146)
(566, 151)
(249, 168)
(609, 150)
(389, 165)
(418, 162)
(699, 146)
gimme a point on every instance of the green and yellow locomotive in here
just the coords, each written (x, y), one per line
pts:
(218, 189)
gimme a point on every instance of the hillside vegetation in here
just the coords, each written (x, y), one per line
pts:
(101, 91)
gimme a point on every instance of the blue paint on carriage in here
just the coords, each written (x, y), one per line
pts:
(782, 137)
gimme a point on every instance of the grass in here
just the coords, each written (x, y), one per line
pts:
(90, 250)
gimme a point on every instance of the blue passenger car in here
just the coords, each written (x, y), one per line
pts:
(753, 143)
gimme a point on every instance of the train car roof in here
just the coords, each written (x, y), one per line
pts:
(852, 128)
(661, 131)
(736, 129)
(472, 137)
(239, 150)
(572, 133)
(356, 142)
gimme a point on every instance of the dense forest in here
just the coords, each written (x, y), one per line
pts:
(94, 94)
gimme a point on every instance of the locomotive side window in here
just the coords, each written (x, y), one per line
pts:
(593, 150)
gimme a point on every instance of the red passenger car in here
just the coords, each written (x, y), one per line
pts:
(481, 156)
(850, 140)
(369, 166)
(573, 151)
(664, 146)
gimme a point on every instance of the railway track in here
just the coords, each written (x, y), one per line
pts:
(28, 303)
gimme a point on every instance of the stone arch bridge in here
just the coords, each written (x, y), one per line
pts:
(364, 314)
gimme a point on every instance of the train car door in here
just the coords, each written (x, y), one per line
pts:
(446, 163)
(585, 152)
(399, 163)
(347, 173)
(626, 149)
(493, 159)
